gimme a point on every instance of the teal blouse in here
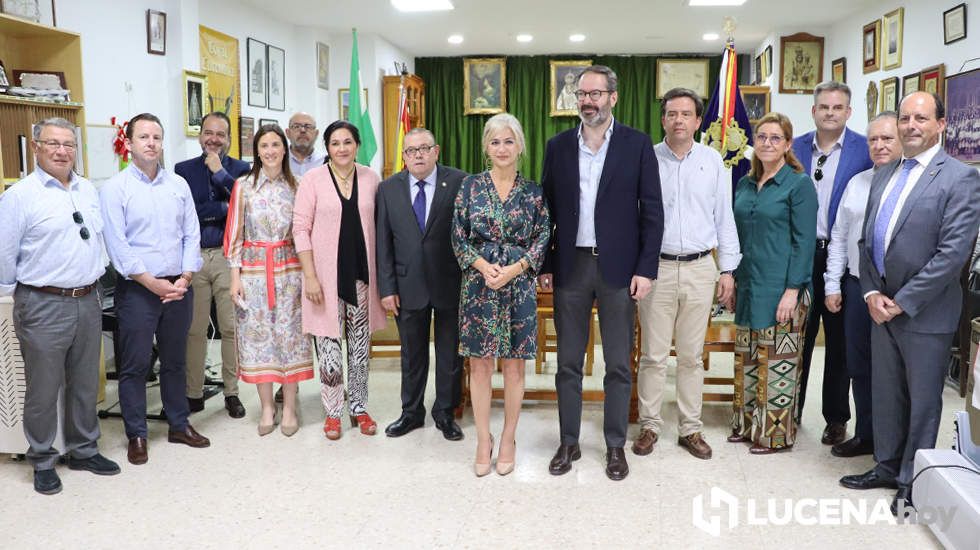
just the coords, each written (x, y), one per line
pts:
(777, 230)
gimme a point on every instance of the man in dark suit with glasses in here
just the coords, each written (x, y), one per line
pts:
(50, 259)
(832, 155)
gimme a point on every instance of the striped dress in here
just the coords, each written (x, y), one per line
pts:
(259, 241)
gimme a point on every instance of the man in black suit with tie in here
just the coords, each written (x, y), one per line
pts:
(418, 275)
(602, 184)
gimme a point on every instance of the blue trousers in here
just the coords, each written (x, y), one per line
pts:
(857, 350)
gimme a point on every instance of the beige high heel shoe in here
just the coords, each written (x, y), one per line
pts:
(504, 468)
(484, 469)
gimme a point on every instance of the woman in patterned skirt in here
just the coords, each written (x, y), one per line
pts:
(501, 229)
(333, 223)
(266, 279)
(776, 216)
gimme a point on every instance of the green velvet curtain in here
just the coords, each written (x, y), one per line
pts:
(529, 99)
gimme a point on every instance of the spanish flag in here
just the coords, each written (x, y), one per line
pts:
(403, 127)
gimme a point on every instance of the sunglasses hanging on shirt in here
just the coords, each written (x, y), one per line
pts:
(818, 174)
(83, 232)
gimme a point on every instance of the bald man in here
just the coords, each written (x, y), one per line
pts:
(302, 134)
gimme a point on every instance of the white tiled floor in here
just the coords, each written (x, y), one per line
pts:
(419, 491)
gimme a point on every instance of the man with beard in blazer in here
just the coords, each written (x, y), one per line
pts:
(418, 276)
(602, 183)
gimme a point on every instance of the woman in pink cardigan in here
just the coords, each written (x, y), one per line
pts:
(333, 228)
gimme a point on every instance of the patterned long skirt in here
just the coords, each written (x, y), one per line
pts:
(766, 380)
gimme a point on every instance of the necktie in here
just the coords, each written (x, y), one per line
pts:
(419, 205)
(885, 215)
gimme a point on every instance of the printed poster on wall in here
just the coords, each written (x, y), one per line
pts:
(219, 60)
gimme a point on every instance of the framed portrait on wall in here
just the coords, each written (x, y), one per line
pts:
(767, 62)
(24, 9)
(564, 84)
(892, 31)
(757, 69)
(800, 63)
(756, 100)
(343, 100)
(267, 121)
(931, 79)
(871, 46)
(889, 94)
(322, 66)
(962, 102)
(838, 70)
(277, 78)
(246, 133)
(871, 99)
(156, 32)
(258, 73)
(954, 24)
(484, 85)
(195, 90)
(910, 83)
(682, 73)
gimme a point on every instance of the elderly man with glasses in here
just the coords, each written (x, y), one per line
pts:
(418, 276)
(50, 259)
(302, 133)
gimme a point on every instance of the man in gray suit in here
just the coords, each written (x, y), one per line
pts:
(418, 275)
(921, 219)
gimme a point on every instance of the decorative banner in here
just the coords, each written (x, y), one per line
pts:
(219, 61)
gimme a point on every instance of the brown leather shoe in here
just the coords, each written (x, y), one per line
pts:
(834, 433)
(136, 453)
(643, 445)
(696, 445)
(188, 436)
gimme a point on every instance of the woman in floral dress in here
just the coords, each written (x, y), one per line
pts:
(266, 280)
(500, 232)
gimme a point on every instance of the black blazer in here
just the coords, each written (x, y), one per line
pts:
(629, 214)
(419, 267)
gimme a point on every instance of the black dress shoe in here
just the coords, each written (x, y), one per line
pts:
(902, 505)
(47, 482)
(834, 433)
(868, 480)
(403, 425)
(616, 466)
(561, 463)
(97, 464)
(854, 446)
(450, 430)
(234, 406)
(196, 404)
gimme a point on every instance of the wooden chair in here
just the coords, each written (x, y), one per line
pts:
(549, 342)
(386, 338)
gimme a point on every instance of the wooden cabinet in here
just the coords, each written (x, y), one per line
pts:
(391, 92)
(29, 46)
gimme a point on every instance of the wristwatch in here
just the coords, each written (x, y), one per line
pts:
(729, 272)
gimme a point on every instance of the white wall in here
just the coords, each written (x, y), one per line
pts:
(923, 48)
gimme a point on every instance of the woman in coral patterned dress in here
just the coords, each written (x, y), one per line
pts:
(266, 280)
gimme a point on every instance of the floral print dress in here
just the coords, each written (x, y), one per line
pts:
(502, 322)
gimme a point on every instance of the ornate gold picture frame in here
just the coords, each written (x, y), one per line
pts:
(484, 85)
(564, 84)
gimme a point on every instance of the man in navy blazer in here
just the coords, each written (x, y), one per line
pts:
(602, 184)
(832, 155)
(211, 176)
(922, 217)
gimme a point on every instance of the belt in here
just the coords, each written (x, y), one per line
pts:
(270, 249)
(822, 243)
(594, 250)
(685, 257)
(69, 292)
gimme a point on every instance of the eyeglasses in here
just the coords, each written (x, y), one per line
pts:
(774, 139)
(83, 232)
(818, 174)
(54, 145)
(302, 127)
(594, 95)
(424, 149)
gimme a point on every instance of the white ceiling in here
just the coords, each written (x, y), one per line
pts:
(610, 26)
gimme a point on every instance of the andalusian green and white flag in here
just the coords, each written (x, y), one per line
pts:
(358, 114)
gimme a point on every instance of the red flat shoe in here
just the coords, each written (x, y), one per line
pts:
(737, 438)
(331, 428)
(367, 424)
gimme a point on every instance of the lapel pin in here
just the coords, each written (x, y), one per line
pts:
(443, 184)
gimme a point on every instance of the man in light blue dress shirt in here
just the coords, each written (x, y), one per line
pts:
(154, 241)
(50, 260)
(302, 134)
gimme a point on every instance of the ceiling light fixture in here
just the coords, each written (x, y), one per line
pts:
(455, 39)
(709, 3)
(524, 38)
(421, 5)
(576, 37)
(709, 36)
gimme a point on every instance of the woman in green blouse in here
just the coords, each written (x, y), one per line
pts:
(776, 215)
